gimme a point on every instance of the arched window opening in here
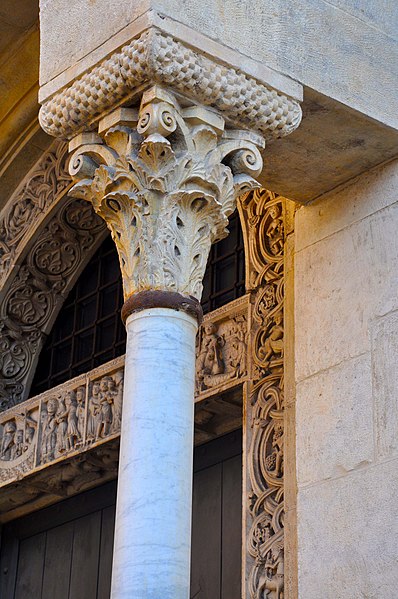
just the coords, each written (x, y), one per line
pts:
(89, 332)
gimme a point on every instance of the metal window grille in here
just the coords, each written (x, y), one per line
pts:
(89, 331)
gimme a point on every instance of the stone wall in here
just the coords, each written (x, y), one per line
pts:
(341, 48)
(346, 327)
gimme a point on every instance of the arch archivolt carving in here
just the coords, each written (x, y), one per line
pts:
(27, 208)
(47, 238)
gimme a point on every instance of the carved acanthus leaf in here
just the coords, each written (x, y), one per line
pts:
(165, 189)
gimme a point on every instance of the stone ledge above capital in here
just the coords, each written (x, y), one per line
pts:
(156, 57)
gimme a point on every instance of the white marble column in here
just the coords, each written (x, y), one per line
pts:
(153, 515)
(165, 179)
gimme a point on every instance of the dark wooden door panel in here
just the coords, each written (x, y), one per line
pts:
(86, 547)
(231, 553)
(57, 562)
(206, 534)
(65, 551)
(105, 565)
(30, 567)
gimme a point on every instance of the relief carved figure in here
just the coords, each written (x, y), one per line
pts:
(271, 581)
(72, 432)
(8, 441)
(274, 461)
(275, 230)
(106, 396)
(62, 427)
(80, 413)
(222, 352)
(93, 411)
(117, 402)
(210, 359)
(238, 354)
(49, 431)
(272, 348)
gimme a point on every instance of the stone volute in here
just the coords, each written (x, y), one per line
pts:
(165, 179)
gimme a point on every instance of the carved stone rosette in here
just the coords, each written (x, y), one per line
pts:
(165, 179)
(263, 218)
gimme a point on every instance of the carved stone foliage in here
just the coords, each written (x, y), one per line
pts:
(41, 188)
(165, 181)
(263, 220)
(37, 291)
(157, 57)
(222, 346)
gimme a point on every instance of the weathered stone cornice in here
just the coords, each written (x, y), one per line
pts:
(157, 58)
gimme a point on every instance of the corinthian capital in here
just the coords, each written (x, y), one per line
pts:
(165, 179)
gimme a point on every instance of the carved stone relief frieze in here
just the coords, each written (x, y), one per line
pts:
(28, 206)
(77, 415)
(222, 345)
(32, 299)
(62, 422)
(263, 218)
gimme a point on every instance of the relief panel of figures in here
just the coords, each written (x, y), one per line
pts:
(61, 422)
(221, 352)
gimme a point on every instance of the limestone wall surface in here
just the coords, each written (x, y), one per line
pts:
(346, 355)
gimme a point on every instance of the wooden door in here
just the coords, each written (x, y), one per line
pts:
(65, 551)
(61, 552)
(217, 519)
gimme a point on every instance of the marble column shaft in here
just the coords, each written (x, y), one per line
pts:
(153, 516)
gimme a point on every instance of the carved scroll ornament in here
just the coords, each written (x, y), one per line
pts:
(263, 219)
(165, 181)
(38, 290)
(41, 189)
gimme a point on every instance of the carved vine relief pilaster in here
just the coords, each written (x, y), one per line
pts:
(263, 218)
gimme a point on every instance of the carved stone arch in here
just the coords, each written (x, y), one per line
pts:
(47, 238)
